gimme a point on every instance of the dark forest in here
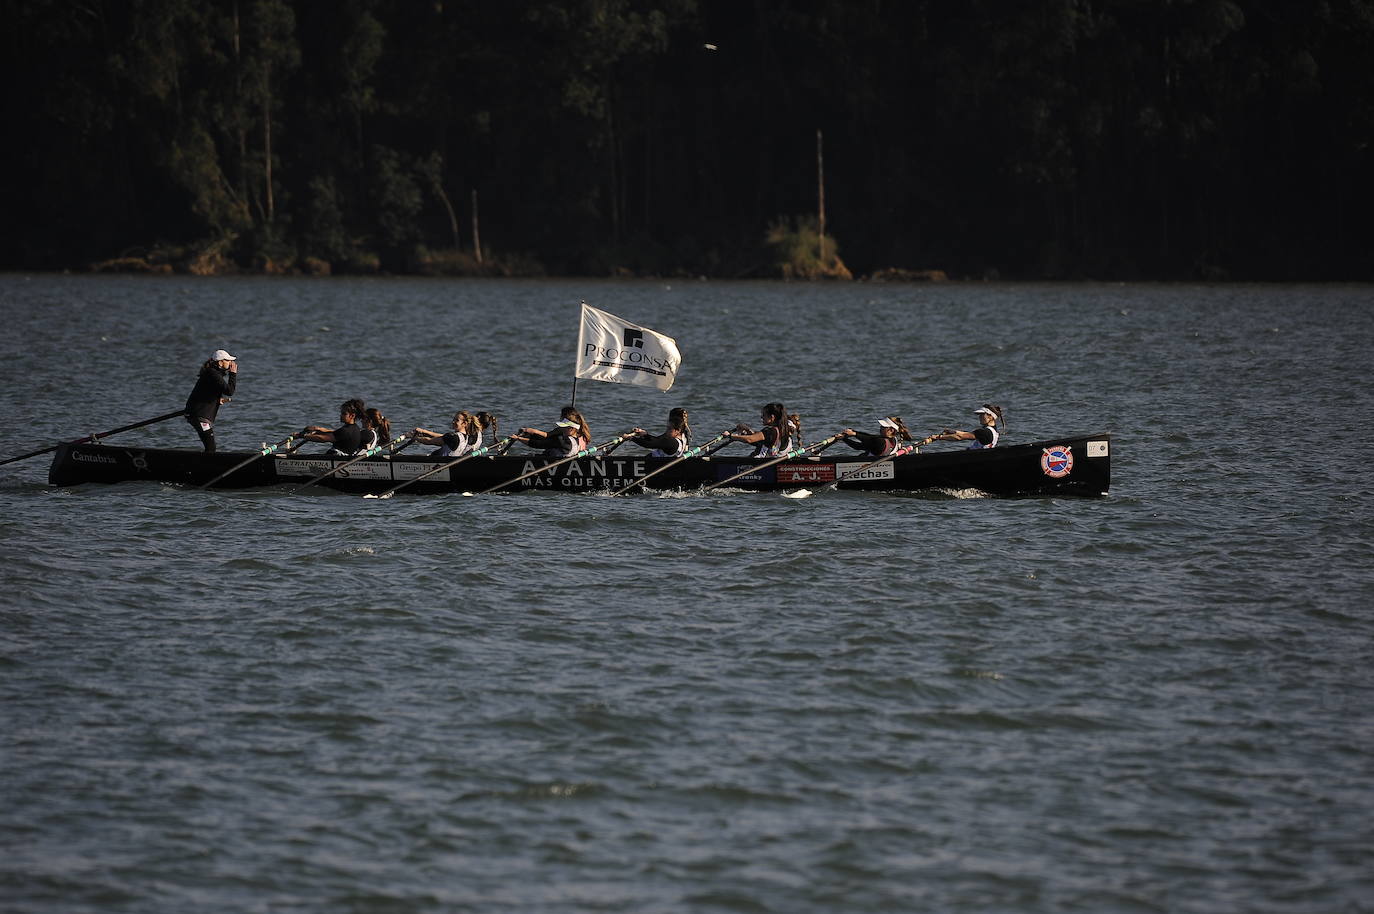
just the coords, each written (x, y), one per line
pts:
(1105, 139)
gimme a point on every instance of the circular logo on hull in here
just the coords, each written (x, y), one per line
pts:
(1057, 461)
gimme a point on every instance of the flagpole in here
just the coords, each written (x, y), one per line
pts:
(577, 361)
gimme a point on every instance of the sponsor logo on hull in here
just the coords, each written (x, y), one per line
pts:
(757, 478)
(572, 482)
(403, 471)
(810, 473)
(92, 458)
(304, 466)
(881, 471)
(365, 470)
(610, 469)
(1057, 461)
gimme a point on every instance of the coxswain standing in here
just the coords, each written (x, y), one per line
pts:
(218, 379)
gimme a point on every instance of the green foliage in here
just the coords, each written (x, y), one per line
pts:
(396, 199)
(325, 235)
(1111, 138)
(193, 163)
(796, 248)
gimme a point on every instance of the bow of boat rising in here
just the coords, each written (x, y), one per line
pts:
(1077, 465)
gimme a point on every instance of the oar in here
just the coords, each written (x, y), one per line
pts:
(691, 452)
(806, 493)
(270, 449)
(795, 452)
(480, 452)
(395, 444)
(548, 466)
(95, 436)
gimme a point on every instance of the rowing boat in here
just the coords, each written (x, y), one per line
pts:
(1078, 466)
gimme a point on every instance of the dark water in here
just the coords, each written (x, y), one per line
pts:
(249, 701)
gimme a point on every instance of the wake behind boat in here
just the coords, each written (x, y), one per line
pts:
(1072, 466)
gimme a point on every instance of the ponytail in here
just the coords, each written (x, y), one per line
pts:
(381, 423)
(485, 420)
(677, 418)
(572, 415)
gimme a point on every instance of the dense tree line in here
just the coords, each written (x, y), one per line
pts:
(1028, 138)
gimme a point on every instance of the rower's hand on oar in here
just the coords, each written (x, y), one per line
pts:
(845, 433)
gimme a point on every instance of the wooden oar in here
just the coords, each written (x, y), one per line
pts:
(480, 452)
(806, 493)
(548, 466)
(691, 452)
(270, 449)
(96, 436)
(795, 452)
(395, 444)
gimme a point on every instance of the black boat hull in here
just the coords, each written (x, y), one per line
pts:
(1073, 466)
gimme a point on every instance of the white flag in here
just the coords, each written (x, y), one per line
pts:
(612, 349)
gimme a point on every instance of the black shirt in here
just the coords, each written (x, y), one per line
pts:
(875, 445)
(664, 443)
(214, 382)
(348, 439)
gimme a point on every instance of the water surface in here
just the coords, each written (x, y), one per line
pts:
(251, 701)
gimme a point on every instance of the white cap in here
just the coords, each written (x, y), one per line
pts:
(886, 423)
(567, 423)
(219, 355)
(985, 411)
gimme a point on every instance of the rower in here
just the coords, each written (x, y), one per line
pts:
(674, 442)
(465, 437)
(986, 435)
(376, 428)
(570, 435)
(347, 439)
(891, 429)
(775, 438)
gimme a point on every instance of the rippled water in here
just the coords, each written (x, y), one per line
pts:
(251, 701)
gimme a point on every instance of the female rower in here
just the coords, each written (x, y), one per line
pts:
(891, 431)
(985, 435)
(376, 428)
(347, 439)
(483, 422)
(672, 443)
(216, 383)
(465, 437)
(567, 438)
(775, 438)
